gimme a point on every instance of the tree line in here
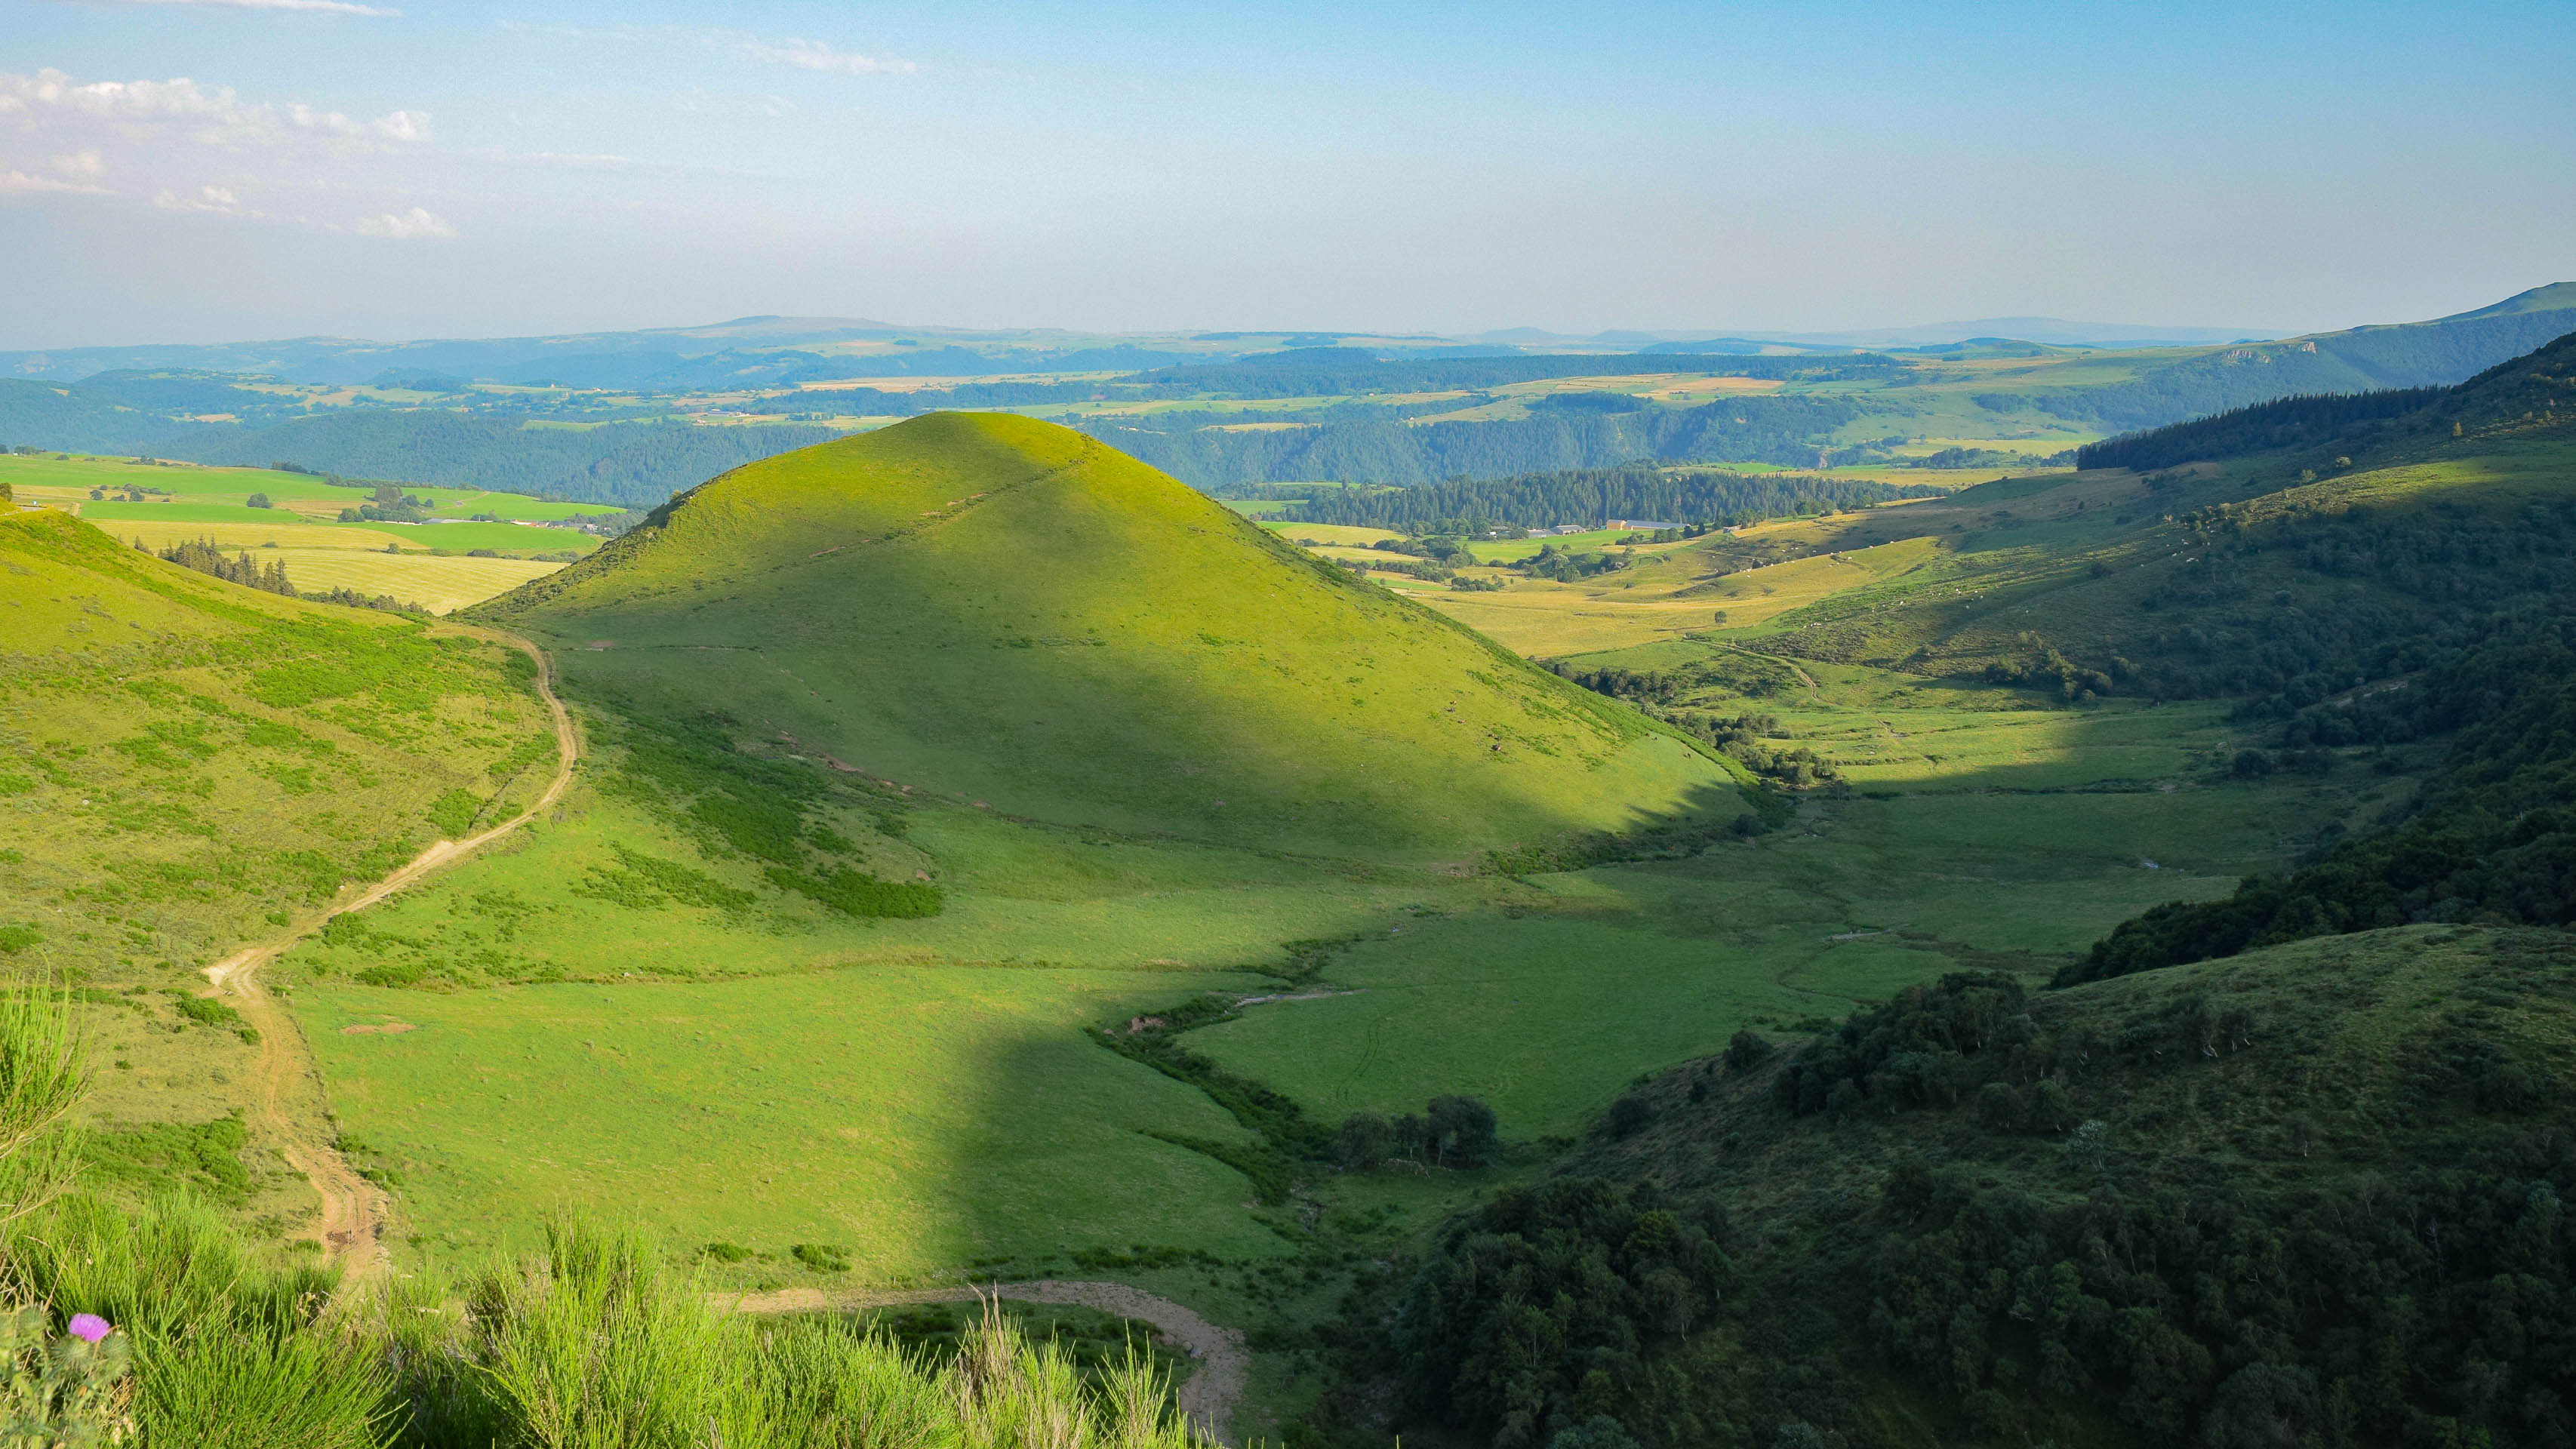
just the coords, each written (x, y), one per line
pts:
(1790, 431)
(202, 556)
(2261, 427)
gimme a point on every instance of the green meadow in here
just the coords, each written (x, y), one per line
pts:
(918, 1118)
(2035, 833)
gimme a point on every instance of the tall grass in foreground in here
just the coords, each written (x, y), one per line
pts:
(592, 1344)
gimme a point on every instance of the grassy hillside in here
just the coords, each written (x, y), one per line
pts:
(997, 609)
(185, 762)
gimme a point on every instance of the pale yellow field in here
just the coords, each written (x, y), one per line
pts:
(440, 585)
(1643, 384)
(1543, 619)
(1757, 594)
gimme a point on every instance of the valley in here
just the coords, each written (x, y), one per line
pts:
(986, 859)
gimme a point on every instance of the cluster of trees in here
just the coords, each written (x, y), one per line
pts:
(1744, 738)
(205, 558)
(2046, 667)
(1453, 1131)
(390, 504)
(1933, 1045)
(1566, 565)
(1535, 1314)
(1593, 495)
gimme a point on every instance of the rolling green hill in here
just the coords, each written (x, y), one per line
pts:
(186, 763)
(994, 608)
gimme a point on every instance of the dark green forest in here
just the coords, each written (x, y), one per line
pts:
(2282, 423)
(1777, 430)
(1591, 496)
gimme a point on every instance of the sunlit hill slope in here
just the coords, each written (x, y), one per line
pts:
(994, 608)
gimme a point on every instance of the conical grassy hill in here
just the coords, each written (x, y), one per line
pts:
(1001, 610)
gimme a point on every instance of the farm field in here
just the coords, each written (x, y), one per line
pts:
(418, 564)
(436, 584)
(445, 536)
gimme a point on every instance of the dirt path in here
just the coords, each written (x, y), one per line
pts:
(1208, 1398)
(293, 1110)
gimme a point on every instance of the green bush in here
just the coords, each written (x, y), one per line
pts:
(453, 813)
(820, 1257)
(856, 893)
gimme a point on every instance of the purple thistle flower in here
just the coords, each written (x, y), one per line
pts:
(90, 1326)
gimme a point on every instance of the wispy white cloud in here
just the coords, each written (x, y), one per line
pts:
(218, 114)
(405, 226)
(181, 146)
(309, 7)
(822, 56)
(21, 182)
(215, 200)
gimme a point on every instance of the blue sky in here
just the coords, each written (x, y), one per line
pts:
(418, 167)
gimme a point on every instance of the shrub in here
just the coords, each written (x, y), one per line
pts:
(1460, 1131)
(1746, 1050)
(1364, 1141)
(453, 813)
(857, 893)
(821, 1257)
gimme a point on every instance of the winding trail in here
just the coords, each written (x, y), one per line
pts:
(1207, 1398)
(288, 1096)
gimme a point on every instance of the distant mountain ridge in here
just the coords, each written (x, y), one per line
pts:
(348, 360)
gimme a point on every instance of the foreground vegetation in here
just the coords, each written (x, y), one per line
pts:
(158, 1326)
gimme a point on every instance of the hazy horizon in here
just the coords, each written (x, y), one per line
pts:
(194, 171)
